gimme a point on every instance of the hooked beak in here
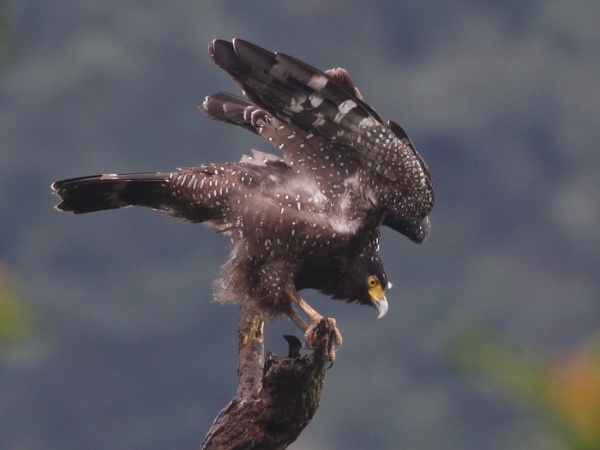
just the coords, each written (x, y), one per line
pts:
(378, 299)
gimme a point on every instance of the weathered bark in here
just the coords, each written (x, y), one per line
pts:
(277, 397)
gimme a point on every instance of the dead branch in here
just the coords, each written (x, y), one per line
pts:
(276, 397)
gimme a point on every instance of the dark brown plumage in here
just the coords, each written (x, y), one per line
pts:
(310, 219)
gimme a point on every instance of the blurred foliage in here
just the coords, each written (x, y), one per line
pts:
(4, 34)
(575, 391)
(13, 323)
(14, 319)
(566, 390)
(500, 97)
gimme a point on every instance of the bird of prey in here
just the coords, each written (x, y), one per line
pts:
(309, 218)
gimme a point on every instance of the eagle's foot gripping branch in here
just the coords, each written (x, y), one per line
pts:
(311, 331)
(312, 336)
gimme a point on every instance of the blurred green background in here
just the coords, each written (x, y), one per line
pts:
(109, 337)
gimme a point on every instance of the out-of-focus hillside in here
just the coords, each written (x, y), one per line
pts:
(501, 99)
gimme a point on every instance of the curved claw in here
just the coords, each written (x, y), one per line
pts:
(312, 337)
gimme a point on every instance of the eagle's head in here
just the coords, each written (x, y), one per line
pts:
(376, 286)
(362, 280)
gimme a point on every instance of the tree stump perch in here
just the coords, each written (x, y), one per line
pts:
(276, 397)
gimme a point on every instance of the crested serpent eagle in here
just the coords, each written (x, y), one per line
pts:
(309, 218)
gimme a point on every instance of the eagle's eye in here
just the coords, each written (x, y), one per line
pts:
(372, 281)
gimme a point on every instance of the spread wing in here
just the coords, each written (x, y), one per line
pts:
(329, 105)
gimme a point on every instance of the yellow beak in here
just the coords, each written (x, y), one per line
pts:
(378, 299)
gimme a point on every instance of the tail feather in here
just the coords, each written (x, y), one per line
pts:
(195, 194)
(110, 191)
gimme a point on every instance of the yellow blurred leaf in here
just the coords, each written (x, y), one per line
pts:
(14, 320)
(575, 389)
